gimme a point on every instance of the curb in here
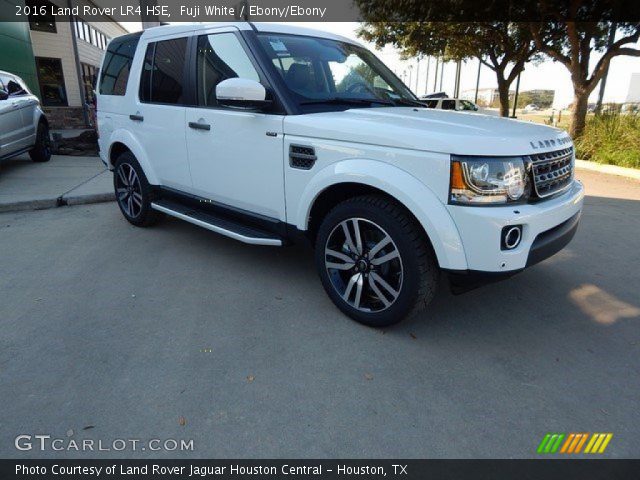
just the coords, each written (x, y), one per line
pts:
(60, 201)
(609, 169)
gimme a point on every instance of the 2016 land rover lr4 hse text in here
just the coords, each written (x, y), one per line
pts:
(267, 132)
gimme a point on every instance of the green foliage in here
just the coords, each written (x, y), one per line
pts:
(611, 138)
(541, 98)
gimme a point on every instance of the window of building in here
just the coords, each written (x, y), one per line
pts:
(220, 57)
(162, 78)
(86, 32)
(51, 81)
(117, 64)
(88, 81)
(41, 23)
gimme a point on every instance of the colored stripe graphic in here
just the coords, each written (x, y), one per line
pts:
(598, 443)
(572, 443)
(550, 443)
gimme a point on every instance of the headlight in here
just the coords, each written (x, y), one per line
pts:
(481, 180)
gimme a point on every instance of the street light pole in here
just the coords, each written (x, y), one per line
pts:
(426, 82)
(515, 99)
(435, 79)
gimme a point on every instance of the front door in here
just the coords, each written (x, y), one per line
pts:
(236, 157)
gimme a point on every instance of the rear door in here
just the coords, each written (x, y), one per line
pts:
(158, 118)
(237, 159)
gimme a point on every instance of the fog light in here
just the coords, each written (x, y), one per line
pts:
(511, 237)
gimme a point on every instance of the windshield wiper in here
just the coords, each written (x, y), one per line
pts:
(347, 101)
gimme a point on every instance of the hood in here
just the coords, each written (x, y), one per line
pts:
(429, 130)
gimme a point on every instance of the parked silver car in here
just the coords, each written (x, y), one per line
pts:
(23, 125)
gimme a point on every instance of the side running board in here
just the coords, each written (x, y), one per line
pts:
(217, 224)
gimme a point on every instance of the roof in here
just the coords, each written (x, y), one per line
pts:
(259, 26)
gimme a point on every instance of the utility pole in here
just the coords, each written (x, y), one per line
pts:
(458, 75)
(603, 82)
(478, 81)
(435, 80)
(441, 74)
(418, 75)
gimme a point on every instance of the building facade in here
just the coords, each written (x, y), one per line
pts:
(66, 55)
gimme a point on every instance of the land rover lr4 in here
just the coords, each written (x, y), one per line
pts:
(265, 133)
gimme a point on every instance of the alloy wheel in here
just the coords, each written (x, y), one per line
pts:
(128, 190)
(364, 265)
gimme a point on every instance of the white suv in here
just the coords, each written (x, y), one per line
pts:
(267, 133)
(23, 126)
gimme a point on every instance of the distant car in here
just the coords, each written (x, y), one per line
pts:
(456, 104)
(23, 125)
(532, 107)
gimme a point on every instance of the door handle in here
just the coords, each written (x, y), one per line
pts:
(200, 126)
(136, 118)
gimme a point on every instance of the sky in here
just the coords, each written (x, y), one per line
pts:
(548, 75)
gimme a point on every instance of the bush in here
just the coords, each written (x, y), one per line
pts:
(611, 138)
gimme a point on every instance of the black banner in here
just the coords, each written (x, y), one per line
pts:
(547, 469)
(323, 10)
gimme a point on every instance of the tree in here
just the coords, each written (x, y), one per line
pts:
(572, 42)
(504, 47)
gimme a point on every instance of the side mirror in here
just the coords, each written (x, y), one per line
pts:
(242, 93)
(3, 94)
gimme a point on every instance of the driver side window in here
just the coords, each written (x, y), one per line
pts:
(220, 57)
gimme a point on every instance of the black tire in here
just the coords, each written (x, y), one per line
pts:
(411, 268)
(133, 192)
(41, 151)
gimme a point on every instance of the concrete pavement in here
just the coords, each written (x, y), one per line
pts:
(25, 185)
(111, 331)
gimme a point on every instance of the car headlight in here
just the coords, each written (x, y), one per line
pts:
(493, 180)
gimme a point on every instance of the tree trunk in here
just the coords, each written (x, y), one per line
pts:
(503, 93)
(579, 113)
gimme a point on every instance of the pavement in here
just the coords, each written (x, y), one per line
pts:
(116, 332)
(64, 180)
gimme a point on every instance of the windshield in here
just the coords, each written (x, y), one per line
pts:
(320, 73)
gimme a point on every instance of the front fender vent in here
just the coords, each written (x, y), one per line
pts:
(302, 157)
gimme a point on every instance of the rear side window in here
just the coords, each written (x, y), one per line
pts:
(117, 65)
(448, 105)
(162, 79)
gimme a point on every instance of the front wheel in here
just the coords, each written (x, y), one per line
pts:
(41, 151)
(374, 260)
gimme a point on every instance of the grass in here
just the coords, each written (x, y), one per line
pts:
(612, 139)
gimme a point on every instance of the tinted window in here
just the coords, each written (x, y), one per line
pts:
(117, 65)
(220, 57)
(51, 80)
(162, 79)
(448, 104)
(14, 87)
(431, 103)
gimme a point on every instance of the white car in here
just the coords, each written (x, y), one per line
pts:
(23, 125)
(532, 107)
(271, 133)
(456, 104)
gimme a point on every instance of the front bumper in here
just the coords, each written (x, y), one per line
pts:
(547, 226)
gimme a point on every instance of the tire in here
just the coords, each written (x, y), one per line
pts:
(133, 192)
(41, 151)
(393, 250)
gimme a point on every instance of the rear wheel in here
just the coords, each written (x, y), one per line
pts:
(133, 192)
(374, 260)
(41, 151)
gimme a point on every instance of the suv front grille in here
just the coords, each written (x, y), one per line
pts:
(552, 171)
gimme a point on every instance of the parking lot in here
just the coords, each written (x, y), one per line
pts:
(110, 331)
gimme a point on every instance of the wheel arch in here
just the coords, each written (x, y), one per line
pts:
(337, 182)
(122, 141)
